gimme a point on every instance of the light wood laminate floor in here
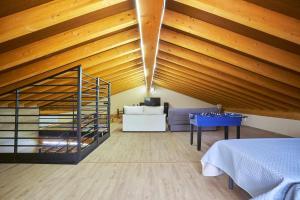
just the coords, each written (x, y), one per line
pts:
(133, 166)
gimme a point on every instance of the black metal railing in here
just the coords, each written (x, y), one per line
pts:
(60, 119)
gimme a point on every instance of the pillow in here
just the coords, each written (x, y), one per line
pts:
(133, 110)
(154, 110)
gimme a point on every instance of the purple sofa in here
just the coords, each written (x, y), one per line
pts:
(178, 118)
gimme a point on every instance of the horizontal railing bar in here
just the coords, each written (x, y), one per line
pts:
(37, 123)
(26, 86)
(39, 100)
(56, 106)
(66, 128)
(89, 88)
(37, 145)
(52, 115)
(88, 106)
(56, 85)
(88, 123)
(47, 92)
(31, 138)
(56, 118)
(67, 77)
(20, 107)
(88, 133)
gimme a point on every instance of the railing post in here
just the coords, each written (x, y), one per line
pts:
(73, 113)
(96, 118)
(79, 99)
(16, 122)
(108, 108)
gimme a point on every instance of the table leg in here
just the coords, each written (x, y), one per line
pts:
(226, 132)
(238, 132)
(192, 133)
(199, 135)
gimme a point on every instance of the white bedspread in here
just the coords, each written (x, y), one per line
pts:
(265, 168)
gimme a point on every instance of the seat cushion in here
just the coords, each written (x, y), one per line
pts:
(133, 110)
(153, 110)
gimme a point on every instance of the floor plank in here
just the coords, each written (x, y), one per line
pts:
(135, 166)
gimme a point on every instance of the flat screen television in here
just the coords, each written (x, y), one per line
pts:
(152, 101)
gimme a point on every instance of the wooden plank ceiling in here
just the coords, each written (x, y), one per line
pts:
(244, 55)
(39, 38)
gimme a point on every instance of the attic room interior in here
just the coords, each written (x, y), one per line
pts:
(157, 100)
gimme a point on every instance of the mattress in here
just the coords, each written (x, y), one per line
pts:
(265, 168)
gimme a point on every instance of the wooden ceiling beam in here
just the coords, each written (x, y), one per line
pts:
(253, 91)
(63, 59)
(128, 87)
(62, 96)
(215, 53)
(124, 73)
(254, 88)
(251, 15)
(197, 92)
(132, 78)
(221, 77)
(230, 57)
(177, 88)
(228, 69)
(8, 7)
(97, 73)
(48, 14)
(192, 86)
(67, 39)
(232, 40)
(218, 88)
(221, 85)
(234, 98)
(137, 72)
(150, 15)
(124, 67)
(120, 86)
(125, 61)
(120, 71)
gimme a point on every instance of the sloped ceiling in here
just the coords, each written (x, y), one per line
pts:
(244, 55)
(39, 38)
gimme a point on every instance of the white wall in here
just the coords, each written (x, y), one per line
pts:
(128, 97)
(136, 95)
(33, 127)
(278, 125)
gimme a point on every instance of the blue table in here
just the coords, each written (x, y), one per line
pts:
(214, 119)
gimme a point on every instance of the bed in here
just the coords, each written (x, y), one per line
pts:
(265, 168)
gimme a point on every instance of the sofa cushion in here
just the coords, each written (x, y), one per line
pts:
(133, 110)
(153, 110)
